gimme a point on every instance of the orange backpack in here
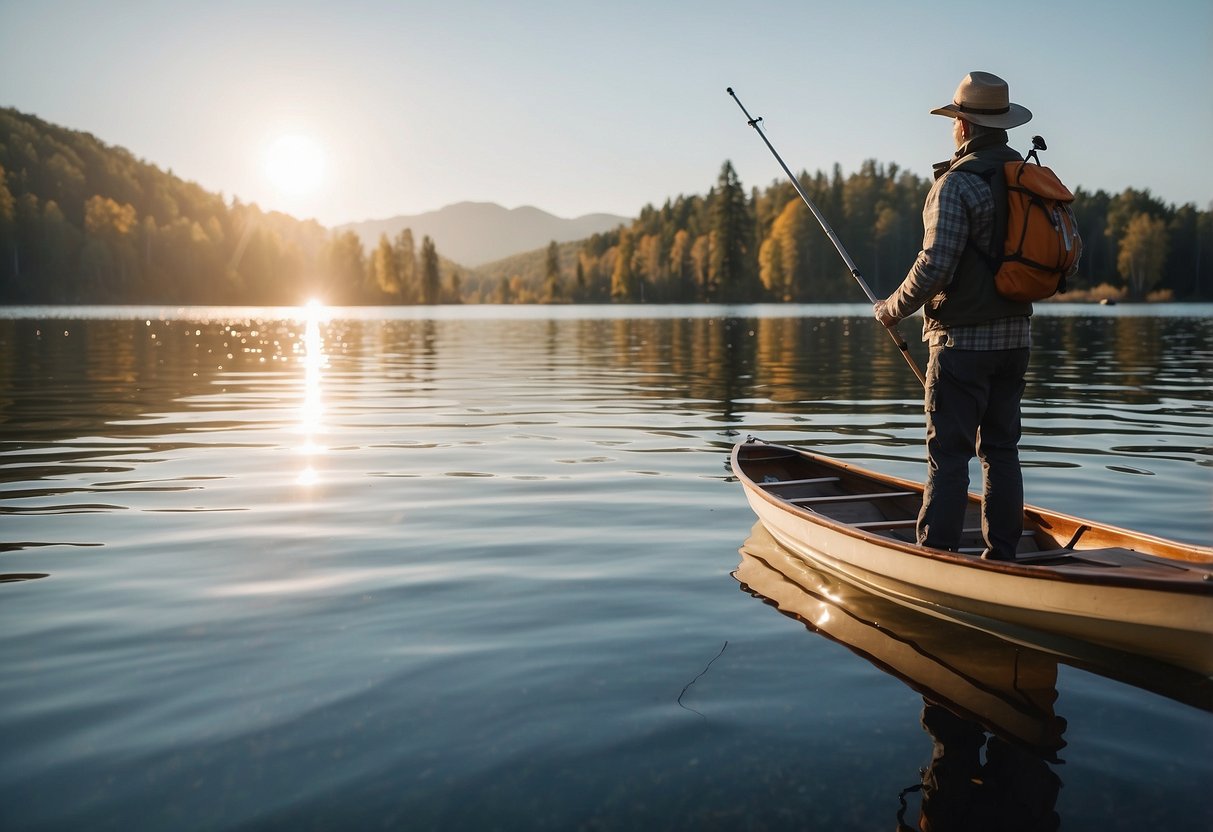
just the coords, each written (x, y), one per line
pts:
(1042, 246)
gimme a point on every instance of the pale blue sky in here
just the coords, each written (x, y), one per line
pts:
(577, 107)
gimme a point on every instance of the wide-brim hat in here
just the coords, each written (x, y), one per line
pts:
(983, 98)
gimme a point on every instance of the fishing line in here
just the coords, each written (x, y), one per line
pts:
(696, 679)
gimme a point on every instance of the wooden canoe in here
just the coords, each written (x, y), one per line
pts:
(1007, 687)
(1074, 583)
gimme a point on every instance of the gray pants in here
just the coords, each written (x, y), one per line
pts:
(972, 406)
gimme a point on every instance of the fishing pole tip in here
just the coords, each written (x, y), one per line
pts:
(729, 90)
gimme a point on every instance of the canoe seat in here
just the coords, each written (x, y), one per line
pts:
(772, 458)
(1044, 554)
(977, 530)
(809, 481)
(911, 522)
(1115, 560)
(1113, 557)
(1023, 558)
(880, 525)
(851, 498)
(1117, 556)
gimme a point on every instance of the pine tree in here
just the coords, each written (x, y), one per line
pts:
(552, 292)
(406, 265)
(682, 267)
(580, 281)
(730, 270)
(430, 278)
(8, 235)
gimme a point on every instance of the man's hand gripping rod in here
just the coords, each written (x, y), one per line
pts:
(825, 226)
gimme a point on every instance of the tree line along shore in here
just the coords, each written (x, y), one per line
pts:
(85, 222)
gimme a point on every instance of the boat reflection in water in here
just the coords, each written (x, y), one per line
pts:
(987, 702)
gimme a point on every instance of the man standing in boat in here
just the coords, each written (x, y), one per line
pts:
(978, 340)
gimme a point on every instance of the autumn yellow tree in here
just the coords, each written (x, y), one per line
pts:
(385, 269)
(1143, 251)
(779, 259)
(109, 251)
(623, 277)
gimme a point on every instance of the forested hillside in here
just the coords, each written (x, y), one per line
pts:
(728, 246)
(766, 245)
(84, 222)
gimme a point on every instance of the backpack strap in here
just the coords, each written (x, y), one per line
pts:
(991, 171)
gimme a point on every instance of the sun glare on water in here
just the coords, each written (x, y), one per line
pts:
(311, 412)
(294, 163)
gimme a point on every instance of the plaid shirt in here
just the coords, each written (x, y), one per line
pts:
(959, 208)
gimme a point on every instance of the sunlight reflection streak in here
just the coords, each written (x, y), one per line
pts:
(311, 412)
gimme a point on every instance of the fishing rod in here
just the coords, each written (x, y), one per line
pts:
(825, 226)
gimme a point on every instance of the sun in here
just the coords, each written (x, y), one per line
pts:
(294, 164)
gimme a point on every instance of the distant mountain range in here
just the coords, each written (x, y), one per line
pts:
(474, 233)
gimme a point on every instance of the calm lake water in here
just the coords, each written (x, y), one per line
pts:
(371, 569)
